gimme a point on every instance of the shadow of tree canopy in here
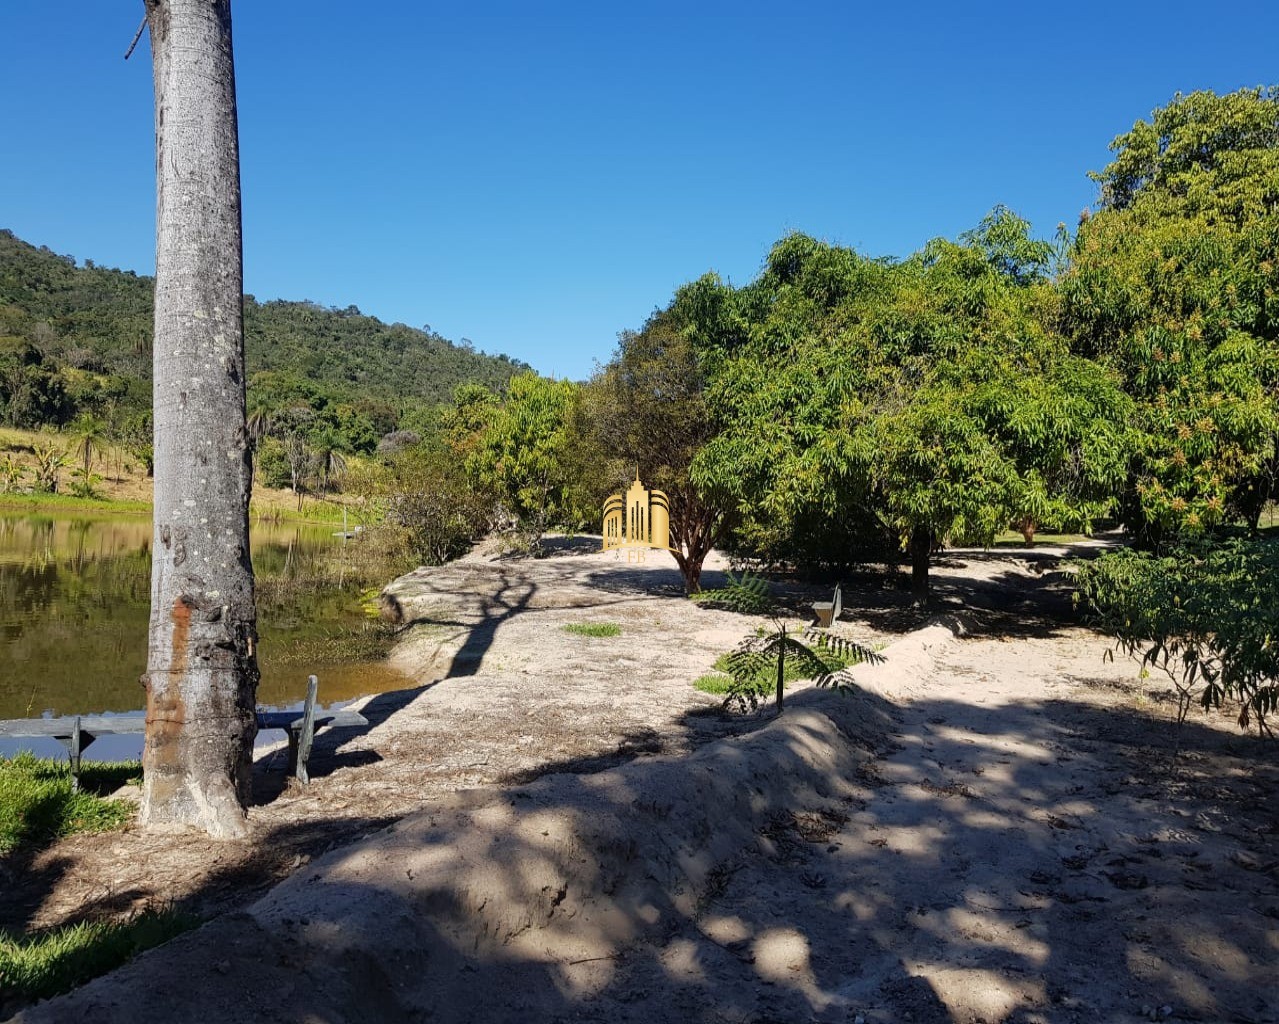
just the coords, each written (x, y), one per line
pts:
(1046, 860)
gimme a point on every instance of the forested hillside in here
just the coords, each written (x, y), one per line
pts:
(76, 341)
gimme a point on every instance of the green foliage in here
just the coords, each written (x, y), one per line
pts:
(747, 593)
(595, 629)
(718, 683)
(866, 404)
(760, 663)
(77, 340)
(522, 449)
(48, 963)
(647, 410)
(1204, 615)
(423, 492)
(50, 460)
(38, 804)
(1175, 284)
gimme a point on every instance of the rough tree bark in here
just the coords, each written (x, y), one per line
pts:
(201, 678)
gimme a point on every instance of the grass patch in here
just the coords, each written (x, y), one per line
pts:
(38, 804)
(593, 628)
(48, 963)
(713, 682)
(72, 503)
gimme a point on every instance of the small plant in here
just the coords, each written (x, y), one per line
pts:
(597, 629)
(85, 485)
(746, 593)
(714, 682)
(759, 663)
(50, 461)
(11, 473)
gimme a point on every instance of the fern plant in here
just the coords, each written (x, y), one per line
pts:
(826, 657)
(746, 593)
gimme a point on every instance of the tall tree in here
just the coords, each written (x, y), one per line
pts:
(648, 410)
(202, 672)
(1175, 283)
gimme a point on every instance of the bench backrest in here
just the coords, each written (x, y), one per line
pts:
(838, 602)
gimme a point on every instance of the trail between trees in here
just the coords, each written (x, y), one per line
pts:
(997, 828)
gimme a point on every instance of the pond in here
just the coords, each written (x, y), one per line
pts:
(75, 598)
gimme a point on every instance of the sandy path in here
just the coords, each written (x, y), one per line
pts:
(1031, 852)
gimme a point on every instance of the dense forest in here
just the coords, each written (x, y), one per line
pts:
(75, 342)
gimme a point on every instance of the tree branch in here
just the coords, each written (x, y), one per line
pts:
(136, 36)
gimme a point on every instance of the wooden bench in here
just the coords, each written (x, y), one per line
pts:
(76, 732)
(828, 611)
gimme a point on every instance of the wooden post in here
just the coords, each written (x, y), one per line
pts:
(300, 743)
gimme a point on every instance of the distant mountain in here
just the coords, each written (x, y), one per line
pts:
(87, 330)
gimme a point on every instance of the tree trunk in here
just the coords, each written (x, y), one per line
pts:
(202, 673)
(921, 550)
(781, 670)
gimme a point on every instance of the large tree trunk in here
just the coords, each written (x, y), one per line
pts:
(202, 674)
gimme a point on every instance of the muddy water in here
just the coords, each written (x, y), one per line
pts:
(74, 603)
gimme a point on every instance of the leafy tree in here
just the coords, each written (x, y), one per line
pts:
(430, 499)
(1175, 283)
(647, 409)
(521, 450)
(921, 403)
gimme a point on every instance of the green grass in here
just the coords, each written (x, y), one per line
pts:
(47, 963)
(73, 503)
(38, 805)
(593, 628)
(713, 682)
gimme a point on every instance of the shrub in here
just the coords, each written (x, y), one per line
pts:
(1204, 615)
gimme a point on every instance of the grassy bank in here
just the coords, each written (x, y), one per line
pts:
(119, 484)
(38, 803)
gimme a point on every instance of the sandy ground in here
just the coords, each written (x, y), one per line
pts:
(1001, 827)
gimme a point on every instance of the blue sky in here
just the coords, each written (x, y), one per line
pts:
(538, 177)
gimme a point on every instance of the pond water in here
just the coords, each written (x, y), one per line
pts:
(75, 599)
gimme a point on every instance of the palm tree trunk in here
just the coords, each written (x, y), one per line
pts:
(202, 673)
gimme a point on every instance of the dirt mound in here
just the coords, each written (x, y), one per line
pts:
(517, 904)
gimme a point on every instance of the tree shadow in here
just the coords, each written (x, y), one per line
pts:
(963, 873)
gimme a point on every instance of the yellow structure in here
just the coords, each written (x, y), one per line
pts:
(641, 519)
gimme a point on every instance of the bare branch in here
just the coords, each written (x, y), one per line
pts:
(136, 36)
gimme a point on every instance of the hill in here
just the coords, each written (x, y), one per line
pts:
(76, 340)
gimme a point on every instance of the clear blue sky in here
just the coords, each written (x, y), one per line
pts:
(537, 177)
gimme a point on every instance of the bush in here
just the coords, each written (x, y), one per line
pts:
(431, 501)
(1205, 615)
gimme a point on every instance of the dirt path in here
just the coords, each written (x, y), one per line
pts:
(1027, 847)
(1032, 851)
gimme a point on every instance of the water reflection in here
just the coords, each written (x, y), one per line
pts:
(74, 604)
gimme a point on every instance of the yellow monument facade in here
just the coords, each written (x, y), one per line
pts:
(640, 519)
